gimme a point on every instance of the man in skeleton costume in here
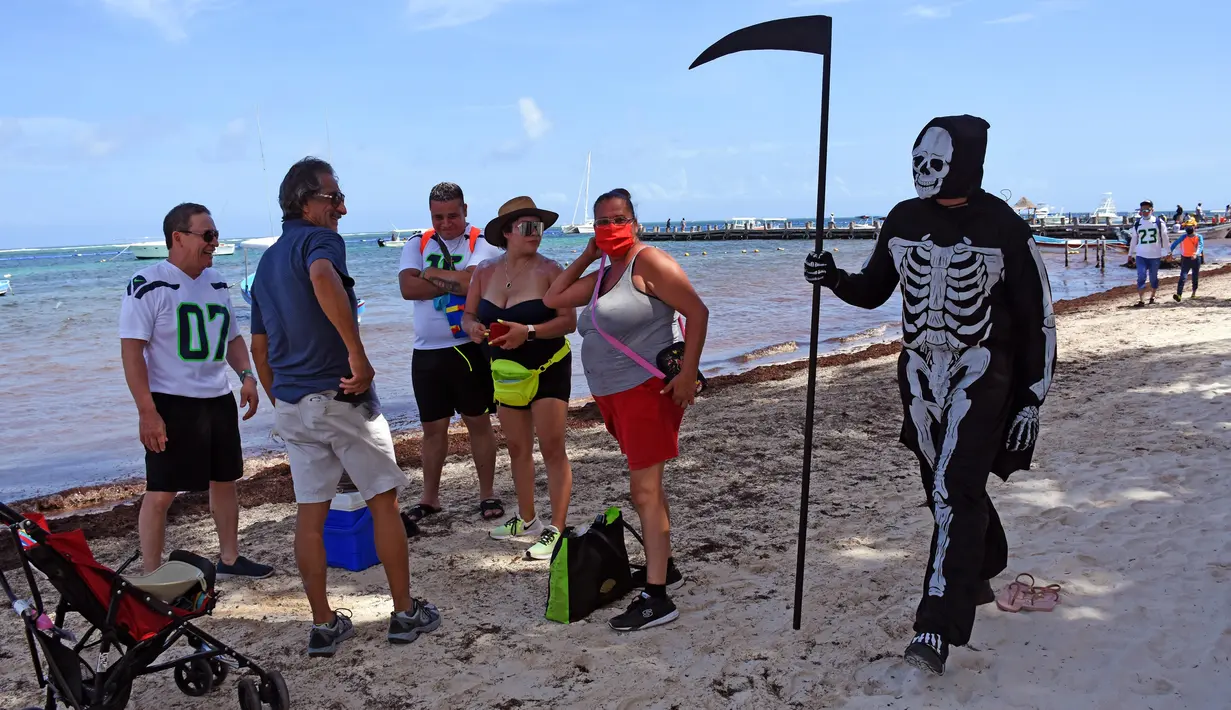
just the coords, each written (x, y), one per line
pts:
(979, 350)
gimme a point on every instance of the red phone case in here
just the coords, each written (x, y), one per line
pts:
(497, 329)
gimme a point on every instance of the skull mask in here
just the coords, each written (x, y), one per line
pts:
(931, 160)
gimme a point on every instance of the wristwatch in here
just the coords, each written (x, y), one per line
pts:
(530, 335)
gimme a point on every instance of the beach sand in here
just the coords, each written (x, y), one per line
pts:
(1126, 507)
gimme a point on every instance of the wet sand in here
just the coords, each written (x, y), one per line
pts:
(1124, 508)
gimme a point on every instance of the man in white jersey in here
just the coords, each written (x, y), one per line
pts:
(449, 372)
(1148, 245)
(177, 335)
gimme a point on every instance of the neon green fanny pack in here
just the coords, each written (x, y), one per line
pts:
(515, 384)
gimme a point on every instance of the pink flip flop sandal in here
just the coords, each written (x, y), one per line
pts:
(1022, 595)
(1041, 598)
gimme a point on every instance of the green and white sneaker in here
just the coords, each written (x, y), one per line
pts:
(516, 527)
(542, 549)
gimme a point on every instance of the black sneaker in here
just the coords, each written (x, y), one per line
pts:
(985, 595)
(674, 579)
(323, 640)
(405, 626)
(645, 612)
(243, 567)
(928, 652)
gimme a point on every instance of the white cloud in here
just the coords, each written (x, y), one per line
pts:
(232, 143)
(169, 16)
(533, 121)
(53, 137)
(930, 12)
(435, 14)
(1012, 19)
(656, 192)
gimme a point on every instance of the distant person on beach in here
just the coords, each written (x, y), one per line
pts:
(506, 294)
(177, 336)
(313, 365)
(1146, 249)
(1192, 252)
(450, 374)
(1199, 213)
(635, 312)
(978, 356)
(1179, 212)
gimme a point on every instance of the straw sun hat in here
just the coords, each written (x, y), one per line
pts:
(509, 212)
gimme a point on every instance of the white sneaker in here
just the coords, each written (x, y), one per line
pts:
(516, 527)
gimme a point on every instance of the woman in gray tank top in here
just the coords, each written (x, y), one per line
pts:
(638, 298)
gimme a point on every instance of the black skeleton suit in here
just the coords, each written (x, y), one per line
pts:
(979, 352)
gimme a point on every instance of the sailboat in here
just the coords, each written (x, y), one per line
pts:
(587, 225)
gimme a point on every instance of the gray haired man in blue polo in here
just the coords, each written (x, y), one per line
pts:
(311, 361)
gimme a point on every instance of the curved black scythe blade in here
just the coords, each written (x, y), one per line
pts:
(812, 34)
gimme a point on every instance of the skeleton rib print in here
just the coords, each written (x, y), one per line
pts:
(946, 317)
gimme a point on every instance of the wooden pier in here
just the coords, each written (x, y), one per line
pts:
(1069, 230)
(726, 233)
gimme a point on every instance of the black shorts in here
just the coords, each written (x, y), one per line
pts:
(448, 380)
(556, 382)
(203, 444)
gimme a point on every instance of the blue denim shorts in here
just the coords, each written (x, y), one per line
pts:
(1144, 265)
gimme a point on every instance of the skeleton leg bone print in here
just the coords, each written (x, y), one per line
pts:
(946, 318)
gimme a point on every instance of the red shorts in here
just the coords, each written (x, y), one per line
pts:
(644, 422)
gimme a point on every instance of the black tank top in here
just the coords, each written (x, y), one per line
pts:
(532, 353)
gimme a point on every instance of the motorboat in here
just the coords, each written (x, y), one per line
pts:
(245, 286)
(398, 237)
(158, 249)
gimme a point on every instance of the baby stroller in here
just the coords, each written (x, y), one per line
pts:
(138, 618)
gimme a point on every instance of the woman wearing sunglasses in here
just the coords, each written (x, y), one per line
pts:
(629, 322)
(531, 364)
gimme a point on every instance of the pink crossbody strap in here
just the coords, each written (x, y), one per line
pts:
(598, 283)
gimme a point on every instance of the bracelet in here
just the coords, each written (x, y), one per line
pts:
(247, 373)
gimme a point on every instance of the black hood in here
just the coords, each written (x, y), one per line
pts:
(947, 159)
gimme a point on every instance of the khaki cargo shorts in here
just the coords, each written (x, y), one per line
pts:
(325, 437)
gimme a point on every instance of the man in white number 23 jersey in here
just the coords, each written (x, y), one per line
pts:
(177, 335)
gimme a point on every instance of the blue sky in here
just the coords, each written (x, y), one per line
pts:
(112, 111)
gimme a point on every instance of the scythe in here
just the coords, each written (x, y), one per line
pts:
(812, 34)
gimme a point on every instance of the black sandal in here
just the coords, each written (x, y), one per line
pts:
(491, 505)
(411, 518)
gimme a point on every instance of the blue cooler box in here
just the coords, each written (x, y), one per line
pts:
(350, 541)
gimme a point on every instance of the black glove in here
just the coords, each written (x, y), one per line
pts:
(819, 268)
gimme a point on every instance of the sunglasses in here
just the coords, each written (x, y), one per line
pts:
(335, 198)
(525, 229)
(209, 235)
(618, 221)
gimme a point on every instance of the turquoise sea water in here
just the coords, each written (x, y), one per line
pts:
(69, 420)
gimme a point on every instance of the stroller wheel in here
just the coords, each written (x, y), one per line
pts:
(274, 692)
(249, 699)
(220, 671)
(195, 677)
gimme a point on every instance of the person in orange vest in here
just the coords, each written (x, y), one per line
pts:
(449, 373)
(1192, 253)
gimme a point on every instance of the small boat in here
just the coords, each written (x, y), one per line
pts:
(245, 286)
(1074, 245)
(5, 287)
(586, 226)
(158, 250)
(399, 237)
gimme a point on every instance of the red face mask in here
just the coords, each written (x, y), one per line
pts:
(614, 239)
